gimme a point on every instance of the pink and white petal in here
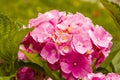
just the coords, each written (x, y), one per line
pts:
(82, 43)
(53, 57)
(78, 72)
(66, 67)
(44, 53)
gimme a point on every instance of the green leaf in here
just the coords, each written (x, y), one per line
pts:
(114, 10)
(30, 64)
(100, 69)
(11, 34)
(35, 58)
(5, 78)
(115, 49)
(113, 58)
(116, 62)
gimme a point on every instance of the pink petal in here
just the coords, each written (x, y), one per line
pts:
(65, 67)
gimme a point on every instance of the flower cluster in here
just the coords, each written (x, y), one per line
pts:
(68, 43)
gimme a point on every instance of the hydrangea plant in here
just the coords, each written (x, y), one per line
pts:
(70, 41)
(58, 46)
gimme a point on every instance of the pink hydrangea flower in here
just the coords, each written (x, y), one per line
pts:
(73, 63)
(28, 41)
(25, 74)
(101, 76)
(68, 76)
(100, 37)
(93, 76)
(82, 42)
(63, 29)
(112, 76)
(68, 40)
(50, 53)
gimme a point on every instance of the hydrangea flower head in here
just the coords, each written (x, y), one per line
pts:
(70, 41)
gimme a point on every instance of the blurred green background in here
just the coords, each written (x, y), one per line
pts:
(23, 10)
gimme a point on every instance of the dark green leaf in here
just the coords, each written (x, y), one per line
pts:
(30, 64)
(100, 69)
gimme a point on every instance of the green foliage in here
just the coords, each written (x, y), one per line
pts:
(11, 34)
(112, 63)
(115, 49)
(32, 65)
(35, 59)
(5, 78)
(116, 62)
(114, 10)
